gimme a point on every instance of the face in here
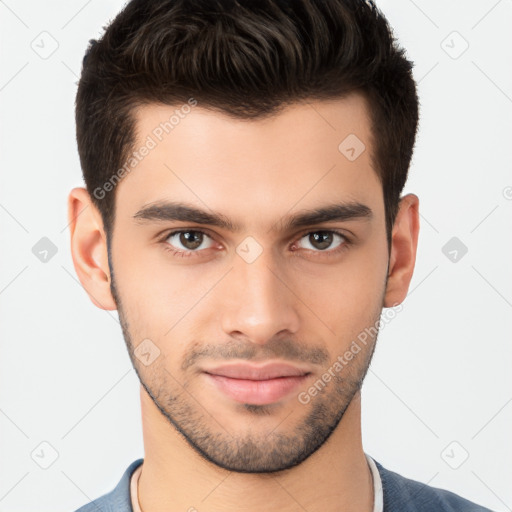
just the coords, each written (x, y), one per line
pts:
(246, 259)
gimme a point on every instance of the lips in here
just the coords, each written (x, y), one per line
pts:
(252, 372)
(256, 384)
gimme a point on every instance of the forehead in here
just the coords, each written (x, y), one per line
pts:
(316, 151)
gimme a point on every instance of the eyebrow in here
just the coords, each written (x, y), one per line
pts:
(177, 211)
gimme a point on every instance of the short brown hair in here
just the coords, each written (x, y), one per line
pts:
(248, 59)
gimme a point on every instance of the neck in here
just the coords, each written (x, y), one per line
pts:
(175, 477)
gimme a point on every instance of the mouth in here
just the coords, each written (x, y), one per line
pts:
(257, 384)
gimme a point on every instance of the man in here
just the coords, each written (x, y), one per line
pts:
(243, 165)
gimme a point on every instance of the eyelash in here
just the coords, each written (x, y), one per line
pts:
(327, 253)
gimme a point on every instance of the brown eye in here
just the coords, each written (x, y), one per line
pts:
(322, 240)
(189, 240)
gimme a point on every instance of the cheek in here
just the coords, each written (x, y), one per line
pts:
(359, 274)
(346, 304)
(347, 296)
(153, 286)
(162, 302)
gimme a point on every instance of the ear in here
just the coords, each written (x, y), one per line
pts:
(89, 248)
(404, 243)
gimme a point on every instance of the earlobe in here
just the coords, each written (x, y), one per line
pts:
(404, 244)
(89, 248)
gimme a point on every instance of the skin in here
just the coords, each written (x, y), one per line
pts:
(298, 301)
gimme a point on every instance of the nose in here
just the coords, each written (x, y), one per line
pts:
(259, 303)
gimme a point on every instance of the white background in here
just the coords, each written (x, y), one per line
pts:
(440, 383)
